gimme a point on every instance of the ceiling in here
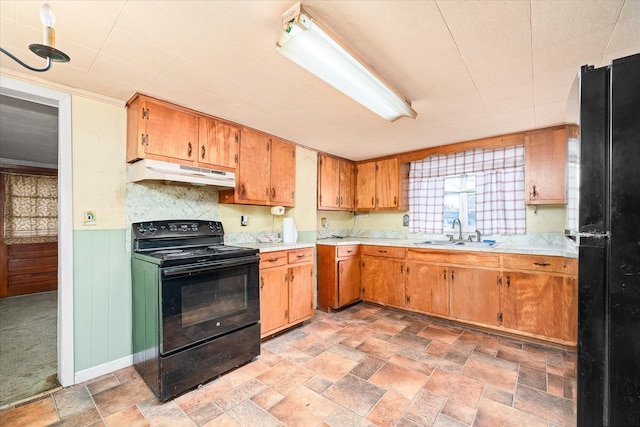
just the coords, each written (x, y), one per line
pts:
(472, 69)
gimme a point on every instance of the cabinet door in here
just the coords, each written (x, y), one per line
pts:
(253, 183)
(218, 143)
(366, 185)
(383, 281)
(475, 295)
(172, 134)
(387, 184)
(348, 281)
(540, 304)
(545, 155)
(300, 292)
(274, 298)
(283, 173)
(328, 182)
(347, 185)
(427, 288)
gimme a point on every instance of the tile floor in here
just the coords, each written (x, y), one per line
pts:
(363, 366)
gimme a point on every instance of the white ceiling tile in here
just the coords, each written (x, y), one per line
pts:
(553, 94)
(551, 114)
(625, 38)
(506, 90)
(515, 103)
(553, 22)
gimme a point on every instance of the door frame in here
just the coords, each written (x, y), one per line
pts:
(61, 100)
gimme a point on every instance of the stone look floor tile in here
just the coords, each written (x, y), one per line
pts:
(499, 377)
(130, 417)
(285, 377)
(362, 366)
(303, 407)
(399, 379)
(40, 412)
(355, 394)
(388, 410)
(494, 414)
(454, 386)
(330, 365)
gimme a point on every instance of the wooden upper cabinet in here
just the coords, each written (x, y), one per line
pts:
(266, 172)
(328, 182)
(161, 131)
(218, 143)
(387, 184)
(336, 182)
(378, 185)
(366, 185)
(347, 185)
(283, 173)
(545, 158)
(253, 183)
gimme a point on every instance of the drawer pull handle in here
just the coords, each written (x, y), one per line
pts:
(349, 251)
(542, 264)
(300, 256)
(382, 252)
(272, 259)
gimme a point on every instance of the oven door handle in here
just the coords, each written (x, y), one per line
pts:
(191, 269)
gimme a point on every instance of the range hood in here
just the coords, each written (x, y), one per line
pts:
(155, 170)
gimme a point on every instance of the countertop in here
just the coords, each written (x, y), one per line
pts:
(566, 249)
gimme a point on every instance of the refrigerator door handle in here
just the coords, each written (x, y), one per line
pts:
(601, 235)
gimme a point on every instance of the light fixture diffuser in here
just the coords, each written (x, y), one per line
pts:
(308, 43)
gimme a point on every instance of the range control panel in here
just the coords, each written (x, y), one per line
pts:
(176, 228)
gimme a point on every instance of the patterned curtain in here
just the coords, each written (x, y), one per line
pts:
(30, 209)
(498, 195)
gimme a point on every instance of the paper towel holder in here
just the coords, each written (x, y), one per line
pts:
(277, 210)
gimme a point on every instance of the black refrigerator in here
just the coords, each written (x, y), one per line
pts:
(608, 358)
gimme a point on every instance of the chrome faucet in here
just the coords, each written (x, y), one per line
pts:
(454, 227)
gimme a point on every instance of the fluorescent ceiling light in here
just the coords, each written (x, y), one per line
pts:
(309, 44)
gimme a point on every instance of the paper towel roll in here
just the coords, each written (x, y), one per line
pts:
(289, 232)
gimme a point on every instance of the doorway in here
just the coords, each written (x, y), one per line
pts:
(64, 298)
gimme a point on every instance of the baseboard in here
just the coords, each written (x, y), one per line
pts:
(105, 368)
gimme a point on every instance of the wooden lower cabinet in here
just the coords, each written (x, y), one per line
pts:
(540, 304)
(475, 295)
(383, 275)
(286, 289)
(427, 288)
(338, 276)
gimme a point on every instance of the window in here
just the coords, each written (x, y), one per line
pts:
(484, 188)
(460, 201)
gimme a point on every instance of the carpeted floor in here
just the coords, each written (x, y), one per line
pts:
(28, 346)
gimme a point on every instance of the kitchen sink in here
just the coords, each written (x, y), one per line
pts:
(459, 243)
(476, 244)
(438, 242)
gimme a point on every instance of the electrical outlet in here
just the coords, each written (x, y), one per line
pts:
(244, 220)
(405, 220)
(89, 218)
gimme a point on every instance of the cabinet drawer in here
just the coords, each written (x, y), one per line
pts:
(384, 251)
(300, 255)
(347, 251)
(480, 259)
(273, 259)
(544, 263)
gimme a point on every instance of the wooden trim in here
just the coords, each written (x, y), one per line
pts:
(27, 170)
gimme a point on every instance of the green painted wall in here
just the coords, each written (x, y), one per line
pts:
(102, 297)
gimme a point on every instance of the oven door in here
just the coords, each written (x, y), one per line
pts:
(206, 300)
